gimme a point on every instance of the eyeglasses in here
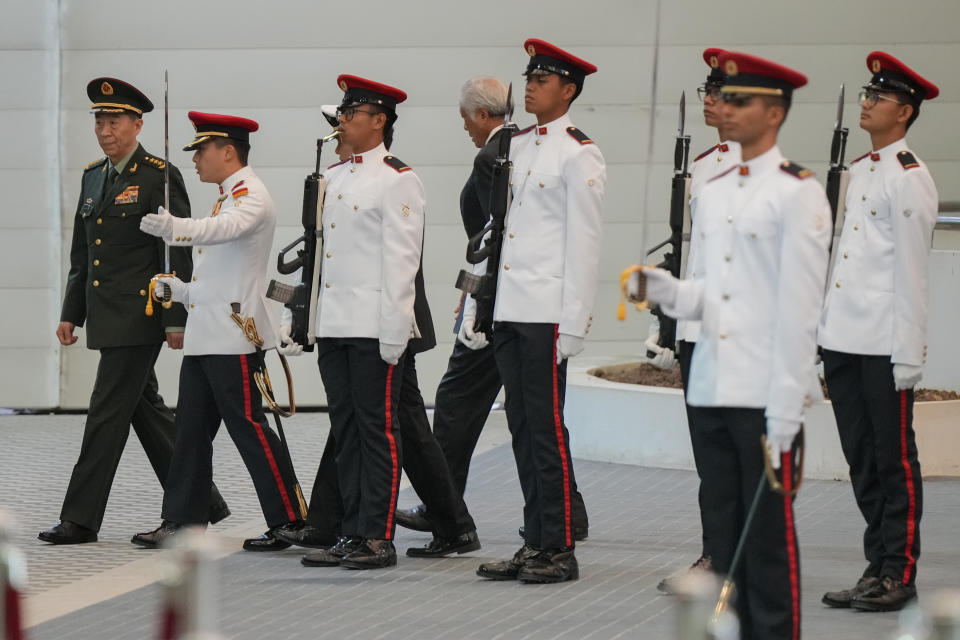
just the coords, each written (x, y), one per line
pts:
(705, 90)
(346, 113)
(871, 98)
(738, 100)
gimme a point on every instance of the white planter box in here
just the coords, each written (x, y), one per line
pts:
(647, 426)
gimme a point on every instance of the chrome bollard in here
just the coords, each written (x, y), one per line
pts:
(190, 589)
(697, 593)
(13, 580)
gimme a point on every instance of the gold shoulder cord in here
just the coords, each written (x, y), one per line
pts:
(249, 328)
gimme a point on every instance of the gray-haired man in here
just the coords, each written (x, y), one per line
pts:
(471, 384)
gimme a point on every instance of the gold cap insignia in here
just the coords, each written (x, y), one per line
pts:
(875, 65)
(731, 68)
(531, 50)
(714, 61)
(106, 88)
(343, 85)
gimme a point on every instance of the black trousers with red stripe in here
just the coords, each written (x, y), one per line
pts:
(875, 422)
(363, 394)
(768, 579)
(423, 461)
(215, 388)
(707, 509)
(535, 386)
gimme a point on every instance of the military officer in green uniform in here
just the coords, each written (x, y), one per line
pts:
(111, 264)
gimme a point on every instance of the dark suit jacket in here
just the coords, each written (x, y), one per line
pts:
(475, 196)
(421, 313)
(112, 261)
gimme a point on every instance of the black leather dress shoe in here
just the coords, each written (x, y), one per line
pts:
(219, 512)
(157, 537)
(507, 569)
(305, 536)
(66, 532)
(888, 595)
(269, 540)
(371, 554)
(415, 518)
(579, 533)
(332, 556)
(550, 565)
(842, 599)
(669, 585)
(440, 547)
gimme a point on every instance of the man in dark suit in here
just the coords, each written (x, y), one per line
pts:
(111, 264)
(471, 384)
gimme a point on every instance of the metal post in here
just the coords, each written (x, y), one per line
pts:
(13, 579)
(190, 590)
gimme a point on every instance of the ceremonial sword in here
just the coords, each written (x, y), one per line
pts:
(166, 296)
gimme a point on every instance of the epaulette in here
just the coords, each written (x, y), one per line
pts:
(239, 190)
(156, 163)
(795, 170)
(336, 164)
(579, 136)
(395, 163)
(860, 158)
(908, 160)
(706, 153)
(95, 163)
(720, 175)
(523, 131)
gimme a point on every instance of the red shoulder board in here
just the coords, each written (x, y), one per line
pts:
(523, 131)
(908, 160)
(795, 170)
(860, 158)
(579, 136)
(395, 163)
(706, 153)
(720, 175)
(336, 164)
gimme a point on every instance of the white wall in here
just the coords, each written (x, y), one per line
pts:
(30, 238)
(276, 62)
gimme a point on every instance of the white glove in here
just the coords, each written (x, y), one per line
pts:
(906, 376)
(158, 224)
(390, 353)
(287, 346)
(661, 286)
(663, 357)
(568, 346)
(474, 340)
(780, 436)
(178, 288)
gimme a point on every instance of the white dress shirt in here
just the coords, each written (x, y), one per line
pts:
(230, 257)
(876, 301)
(763, 235)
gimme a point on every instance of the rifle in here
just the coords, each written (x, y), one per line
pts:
(679, 222)
(837, 176)
(301, 299)
(488, 243)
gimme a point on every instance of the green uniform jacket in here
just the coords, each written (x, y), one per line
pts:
(112, 261)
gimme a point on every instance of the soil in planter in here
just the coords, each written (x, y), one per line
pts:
(646, 374)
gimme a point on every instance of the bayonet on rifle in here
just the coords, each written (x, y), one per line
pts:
(837, 175)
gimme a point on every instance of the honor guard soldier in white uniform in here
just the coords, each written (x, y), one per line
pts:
(231, 252)
(373, 239)
(873, 333)
(111, 262)
(763, 229)
(545, 293)
(712, 162)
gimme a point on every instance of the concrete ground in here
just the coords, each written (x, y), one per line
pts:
(643, 526)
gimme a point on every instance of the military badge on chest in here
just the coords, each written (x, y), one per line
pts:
(129, 195)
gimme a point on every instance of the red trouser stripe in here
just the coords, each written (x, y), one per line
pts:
(248, 412)
(394, 475)
(912, 506)
(561, 445)
(786, 462)
(13, 623)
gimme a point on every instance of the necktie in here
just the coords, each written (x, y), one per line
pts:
(112, 176)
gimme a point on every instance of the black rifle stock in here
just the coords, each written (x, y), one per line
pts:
(301, 298)
(488, 243)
